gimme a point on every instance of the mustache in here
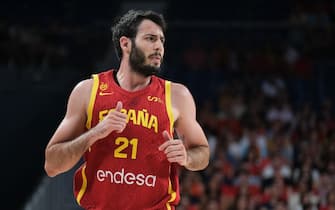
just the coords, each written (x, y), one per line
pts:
(156, 54)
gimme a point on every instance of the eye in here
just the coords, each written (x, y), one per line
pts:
(150, 38)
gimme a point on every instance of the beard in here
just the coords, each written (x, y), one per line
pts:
(137, 62)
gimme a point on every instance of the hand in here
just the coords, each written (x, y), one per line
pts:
(114, 121)
(174, 149)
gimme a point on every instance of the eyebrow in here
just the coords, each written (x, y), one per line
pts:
(162, 38)
(155, 35)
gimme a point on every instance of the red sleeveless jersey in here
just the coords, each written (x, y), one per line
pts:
(126, 171)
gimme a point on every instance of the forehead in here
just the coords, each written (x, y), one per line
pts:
(149, 27)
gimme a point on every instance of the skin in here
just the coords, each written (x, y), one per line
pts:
(71, 140)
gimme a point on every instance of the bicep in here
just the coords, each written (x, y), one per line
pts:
(73, 124)
(186, 125)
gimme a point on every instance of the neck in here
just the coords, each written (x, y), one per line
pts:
(130, 80)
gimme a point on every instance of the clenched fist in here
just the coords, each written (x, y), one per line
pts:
(174, 149)
(114, 121)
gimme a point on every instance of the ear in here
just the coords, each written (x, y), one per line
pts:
(125, 44)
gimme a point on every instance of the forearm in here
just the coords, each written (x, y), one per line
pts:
(197, 158)
(61, 157)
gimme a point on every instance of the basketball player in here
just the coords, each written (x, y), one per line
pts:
(123, 122)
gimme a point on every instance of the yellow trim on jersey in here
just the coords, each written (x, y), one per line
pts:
(173, 196)
(83, 186)
(171, 192)
(169, 104)
(92, 100)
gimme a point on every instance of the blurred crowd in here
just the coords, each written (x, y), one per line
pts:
(272, 146)
(265, 154)
(76, 41)
(272, 142)
(44, 49)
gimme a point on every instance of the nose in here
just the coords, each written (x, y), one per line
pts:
(159, 46)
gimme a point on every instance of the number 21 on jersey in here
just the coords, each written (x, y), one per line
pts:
(124, 143)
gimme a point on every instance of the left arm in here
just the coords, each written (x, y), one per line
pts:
(191, 150)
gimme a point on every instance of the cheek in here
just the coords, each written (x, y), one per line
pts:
(145, 52)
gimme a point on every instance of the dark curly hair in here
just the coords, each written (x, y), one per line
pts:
(127, 25)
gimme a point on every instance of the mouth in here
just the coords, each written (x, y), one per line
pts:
(156, 59)
(155, 56)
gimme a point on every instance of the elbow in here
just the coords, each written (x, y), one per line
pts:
(199, 167)
(49, 171)
(206, 158)
(206, 153)
(204, 165)
(199, 159)
(49, 168)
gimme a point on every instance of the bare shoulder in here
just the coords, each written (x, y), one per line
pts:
(83, 88)
(182, 101)
(179, 90)
(81, 93)
(84, 85)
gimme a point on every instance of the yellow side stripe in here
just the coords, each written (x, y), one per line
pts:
(83, 186)
(173, 196)
(169, 104)
(171, 192)
(92, 100)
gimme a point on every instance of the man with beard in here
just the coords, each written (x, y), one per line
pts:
(122, 122)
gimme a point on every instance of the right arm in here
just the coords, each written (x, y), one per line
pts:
(70, 141)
